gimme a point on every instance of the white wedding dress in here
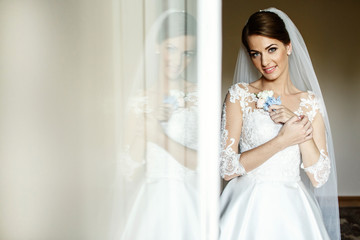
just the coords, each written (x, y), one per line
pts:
(166, 206)
(269, 202)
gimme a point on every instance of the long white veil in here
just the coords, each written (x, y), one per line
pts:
(303, 76)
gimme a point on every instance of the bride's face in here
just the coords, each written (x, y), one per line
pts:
(176, 54)
(270, 56)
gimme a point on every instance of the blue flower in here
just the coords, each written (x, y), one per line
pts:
(171, 100)
(271, 101)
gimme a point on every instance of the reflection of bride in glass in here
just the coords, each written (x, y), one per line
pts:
(161, 134)
(266, 198)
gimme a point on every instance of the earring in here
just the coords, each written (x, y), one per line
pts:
(289, 53)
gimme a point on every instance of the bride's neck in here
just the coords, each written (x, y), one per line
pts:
(281, 86)
(166, 84)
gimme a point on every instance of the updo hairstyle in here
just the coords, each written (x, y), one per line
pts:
(267, 24)
(177, 24)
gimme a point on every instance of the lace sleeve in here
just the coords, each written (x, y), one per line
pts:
(130, 157)
(320, 170)
(310, 106)
(231, 124)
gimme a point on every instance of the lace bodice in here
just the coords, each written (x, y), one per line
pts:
(181, 127)
(182, 124)
(258, 128)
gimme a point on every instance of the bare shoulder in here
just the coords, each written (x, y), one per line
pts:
(302, 95)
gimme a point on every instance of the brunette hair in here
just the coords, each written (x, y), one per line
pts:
(267, 24)
(177, 24)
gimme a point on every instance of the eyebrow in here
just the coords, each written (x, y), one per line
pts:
(273, 44)
(270, 46)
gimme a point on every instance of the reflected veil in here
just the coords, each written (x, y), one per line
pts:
(158, 158)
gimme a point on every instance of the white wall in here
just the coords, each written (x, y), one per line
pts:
(64, 69)
(56, 119)
(332, 35)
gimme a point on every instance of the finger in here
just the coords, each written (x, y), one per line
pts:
(283, 113)
(279, 111)
(308, 137)
(304, 120)
(280, 120)
(277, 120)
(164, 112)
(290, 114)
(275, 107)
(273, 113)
(164, 108)
(161, 117)
(309, 131)
(307, 125)
(293, 119)
(287, 115)
(286, 118)
(277, 114)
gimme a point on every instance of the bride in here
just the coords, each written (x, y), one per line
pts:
(274, 119)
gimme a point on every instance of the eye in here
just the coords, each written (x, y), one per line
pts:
(273, 49)
(254, 54)
(189, 54)
(171, 48)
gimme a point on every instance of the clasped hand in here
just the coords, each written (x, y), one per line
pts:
(296, 129)
(280, 113)
(164, 112)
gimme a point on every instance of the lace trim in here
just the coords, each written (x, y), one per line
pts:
(311, 103)
(140, 105)
(229, 162)
(229, 159)
(235, 93)
(320, 170)
(243, 95)
(178, 98)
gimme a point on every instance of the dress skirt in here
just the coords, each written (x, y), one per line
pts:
(269, 210)
(166, 206)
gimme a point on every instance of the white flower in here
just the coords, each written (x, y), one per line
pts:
(260, 103)
(179, 97)
(177, 93)
(265, 94)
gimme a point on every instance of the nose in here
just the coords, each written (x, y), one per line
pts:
(265, 60)
(176, 58)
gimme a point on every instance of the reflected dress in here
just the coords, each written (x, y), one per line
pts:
(166, 205)
(269, 202)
